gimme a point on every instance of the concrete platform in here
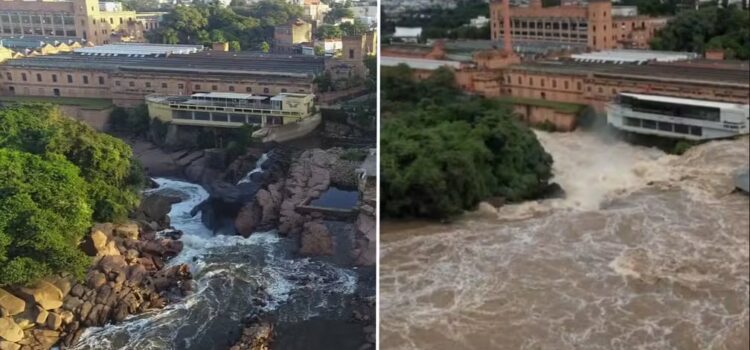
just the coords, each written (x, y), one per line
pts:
(290, 131)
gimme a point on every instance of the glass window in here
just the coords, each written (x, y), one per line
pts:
(663, 126)
(649, 124)
(682, 129)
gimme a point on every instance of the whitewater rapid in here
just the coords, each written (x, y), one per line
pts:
(647, 251)
(229, 273)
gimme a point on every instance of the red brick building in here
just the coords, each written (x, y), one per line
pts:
(592, 24)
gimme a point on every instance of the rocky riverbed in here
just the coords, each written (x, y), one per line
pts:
(230, 259)
(128, 276)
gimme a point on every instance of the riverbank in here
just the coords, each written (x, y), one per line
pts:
(311, 287)
(128, 276)
(630, 258)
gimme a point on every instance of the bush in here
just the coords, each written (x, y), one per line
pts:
(105, 163)
(682, 146)
(442, 152)
(135, 121)
(355, 155)
(44, 212)
(546, 126)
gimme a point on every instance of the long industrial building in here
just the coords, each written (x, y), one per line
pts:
(128, 76)
(90, 20)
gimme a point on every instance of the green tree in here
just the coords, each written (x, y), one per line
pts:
(442, 152)
(105, 162)
(265, 47)
(234, 45)
(354, 29)
(371, 64)
(337, 12)
(203, 24)
(324, 82)
(709, 27)
(217, 36)
(328, 31)
(44, 212)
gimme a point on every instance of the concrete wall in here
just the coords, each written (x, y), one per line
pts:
(535, 116)
(96, 118)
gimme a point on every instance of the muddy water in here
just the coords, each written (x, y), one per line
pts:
(648, 251)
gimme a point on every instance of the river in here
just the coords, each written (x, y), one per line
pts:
(231, 274)
(647, 251)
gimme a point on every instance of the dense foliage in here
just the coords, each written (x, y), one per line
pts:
(134, 121)
(112, 177)
(437, 23)
(442, 152)
(44, 212)
(246, 26)
(727, 29)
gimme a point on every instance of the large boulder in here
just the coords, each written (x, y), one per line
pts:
(10, 304)
(99, 242)
(316, 240)
(113, 264)
(45, 338)
(45, 294)
(156, 206)
(9, 330)
(129, 230)
(365, 240)
(6, 345)
(247, 219)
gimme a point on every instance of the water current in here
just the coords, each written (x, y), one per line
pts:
(229, 271)
(646, 251)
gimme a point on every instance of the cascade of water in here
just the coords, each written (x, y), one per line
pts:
(258, 169)
(233, 275)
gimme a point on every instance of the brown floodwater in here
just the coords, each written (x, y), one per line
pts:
(647, 251)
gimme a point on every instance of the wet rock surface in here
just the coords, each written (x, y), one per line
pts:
(257, 334)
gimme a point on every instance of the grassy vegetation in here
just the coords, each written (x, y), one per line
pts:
(89, 103)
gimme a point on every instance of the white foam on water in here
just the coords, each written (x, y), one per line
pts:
(158, 329)
(655, 257)
(258, 169)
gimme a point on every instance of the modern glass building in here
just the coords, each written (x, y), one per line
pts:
(678, 117)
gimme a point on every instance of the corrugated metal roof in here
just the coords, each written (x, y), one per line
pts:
(633, 56)
(417, 63)
(138, 50)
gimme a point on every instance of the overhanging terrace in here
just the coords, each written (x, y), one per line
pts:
(231, 110)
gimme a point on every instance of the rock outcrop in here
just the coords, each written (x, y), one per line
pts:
(262, 213)
(256, 335)
(127, 277)
(10, 304)
(10, 330)
(316, 240)
(309, 176)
